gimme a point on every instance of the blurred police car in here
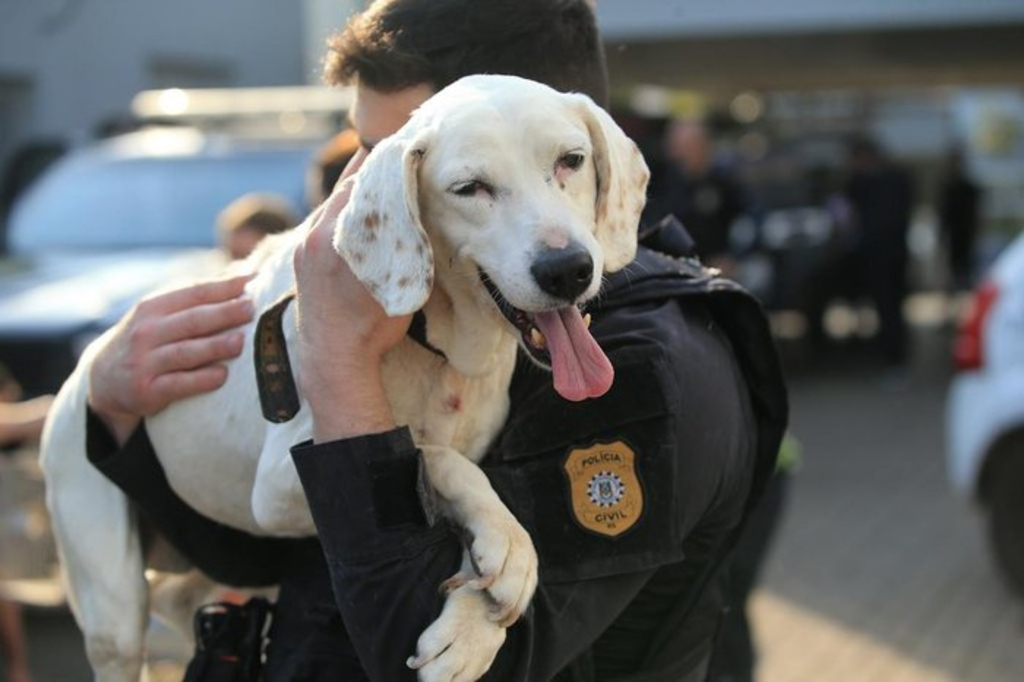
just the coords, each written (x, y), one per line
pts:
(985, 409)
(115, 220)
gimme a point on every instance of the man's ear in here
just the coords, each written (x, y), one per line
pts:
(379, 234)
(622, 177)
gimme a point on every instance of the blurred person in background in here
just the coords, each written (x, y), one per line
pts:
(330, 161)
(21, 421)
(959, 218)
(838, 273)
(882, 197)
(704, 195)
(247, 220)
(12, 642)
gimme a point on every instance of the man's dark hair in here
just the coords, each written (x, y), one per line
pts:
(396, 44)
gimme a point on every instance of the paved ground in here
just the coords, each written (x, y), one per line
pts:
(878, 573)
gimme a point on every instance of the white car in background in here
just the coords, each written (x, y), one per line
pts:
(985, 409)
(118, 218)
(115, 220)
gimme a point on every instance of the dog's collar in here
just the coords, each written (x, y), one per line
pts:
(418, 333)
(279, 397)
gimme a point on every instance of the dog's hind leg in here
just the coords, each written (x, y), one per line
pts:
(97, 541)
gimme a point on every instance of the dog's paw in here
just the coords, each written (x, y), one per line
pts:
(461, 644)
(506, 563)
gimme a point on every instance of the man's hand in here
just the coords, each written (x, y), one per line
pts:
(343, 334)
(170, 346)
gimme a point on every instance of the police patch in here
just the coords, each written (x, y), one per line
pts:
(604, 489)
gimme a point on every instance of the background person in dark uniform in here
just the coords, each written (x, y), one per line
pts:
(694, 419)
(705, 196)
(881, 196)
(959, 221)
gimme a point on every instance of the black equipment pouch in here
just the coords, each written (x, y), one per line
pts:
(229, 642)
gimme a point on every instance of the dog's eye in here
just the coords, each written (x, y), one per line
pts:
(572, 160)
(471, 188)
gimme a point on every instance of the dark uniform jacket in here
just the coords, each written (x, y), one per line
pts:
(631, 500)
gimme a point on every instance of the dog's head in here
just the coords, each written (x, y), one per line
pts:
(527, 193)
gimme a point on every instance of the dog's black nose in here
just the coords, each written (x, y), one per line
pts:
(563, 273)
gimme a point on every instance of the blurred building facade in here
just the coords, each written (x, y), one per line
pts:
(920, 76)
(787, 82)
(69, 68)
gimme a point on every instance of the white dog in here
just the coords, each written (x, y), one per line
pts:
(494, 210)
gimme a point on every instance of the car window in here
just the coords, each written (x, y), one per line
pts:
(106, 202)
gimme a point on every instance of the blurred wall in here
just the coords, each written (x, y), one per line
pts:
(730, 45)
(66, 65)
(652, 19)
(322, 19)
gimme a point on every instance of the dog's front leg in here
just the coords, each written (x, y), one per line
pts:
(502, 558)
(462, 643)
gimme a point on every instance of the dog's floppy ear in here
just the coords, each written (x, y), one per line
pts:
(622, 177)
(379, 234)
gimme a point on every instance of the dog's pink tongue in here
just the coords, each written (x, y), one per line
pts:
(581, 368)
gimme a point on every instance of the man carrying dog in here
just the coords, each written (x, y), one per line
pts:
(631, 499)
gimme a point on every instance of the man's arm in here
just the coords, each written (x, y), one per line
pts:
(172, 346)
(23, 420)
(225, 554)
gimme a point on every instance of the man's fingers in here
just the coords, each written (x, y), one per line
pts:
(168, 388)
(335, 203)
(205, 293)
(191, 354)
(202, 321)
(316, 251)
(326, 215)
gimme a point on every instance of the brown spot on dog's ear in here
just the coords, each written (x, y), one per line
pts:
(430, 280)
(420, 249)
(358, 257)
(372, 220)
(403, 282)
(399, 245)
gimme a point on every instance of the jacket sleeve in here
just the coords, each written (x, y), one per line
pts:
(684, 421)
(225, 554)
